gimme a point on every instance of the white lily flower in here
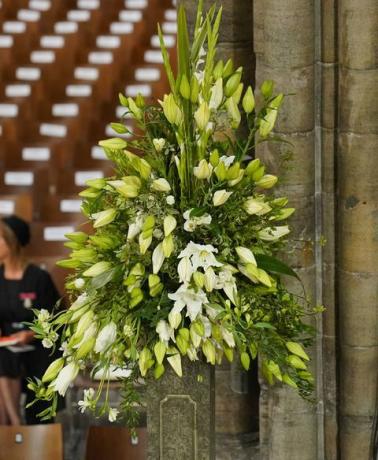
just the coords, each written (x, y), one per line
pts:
(106, 337)
(228, 337)
(193, 222)
(157, 258)
(201, 255)
(227, 160)
(113, 414)
(227, 282)
(274, 233)
(65, 377)
(189, 298)
(87, 401)
(185, 270)
(165, 331)
(220, 197)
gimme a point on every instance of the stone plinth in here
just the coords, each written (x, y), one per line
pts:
(180, 414)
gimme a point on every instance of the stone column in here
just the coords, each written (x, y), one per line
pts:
(284, 47)
(358, 224)
(327, 75)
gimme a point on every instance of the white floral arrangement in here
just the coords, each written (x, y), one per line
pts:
(182, 260)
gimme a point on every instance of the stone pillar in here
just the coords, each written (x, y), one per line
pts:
(180, 414)
(358, 223)
(327, 73)
(284, 48)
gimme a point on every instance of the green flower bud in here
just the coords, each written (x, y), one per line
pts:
(289, 381)
(184, 332)
(232, 84)
(228, 69)
(221, 171)
(123, 100)
(149, 223)
(89, 193)
(97, 269)
(258, 173)
(245, 360)
(237, 94)
(214, 158)
(104, 217)
(267, 181)
(296, 362)
(202, 116)
(98, 184)
(159, 350)
(194, 90)
(53, 370)
(139, 101)
(198, 327)
(185, 87)
(297, 349)
(136, 296)
(182, 344)
(229, 353)
(134, 109)
(85, 348)
(161, 185)
(145, 242)
(85, 255)
(138, 270)
(68, 263)
(119, 128)
(234, 113)
(252, 166)
(168, 245)
(267, 88)
(158, 371)
(209, 351)
(248, 102)
(170, 224)
(199, 279)
(140, 165)
(233, 171)
(114, 143)
(218, 70)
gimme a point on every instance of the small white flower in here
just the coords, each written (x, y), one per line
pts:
(113, 414)
(189, 298)
(193, 222)
(159, 144)
(79, 283)
(106, 337)
(47, 343)
(66, 376)
(227, 282)
(227, 160)
(87, 401)
(164, 331)
(170, 200)
(43, 315)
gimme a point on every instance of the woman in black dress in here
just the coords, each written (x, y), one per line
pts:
(23, 286)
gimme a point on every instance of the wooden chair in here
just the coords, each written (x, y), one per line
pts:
(35, 442)
(105, 442)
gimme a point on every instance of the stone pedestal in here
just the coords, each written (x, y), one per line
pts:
(180, 414)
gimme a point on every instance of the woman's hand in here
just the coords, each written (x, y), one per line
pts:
(23, 337)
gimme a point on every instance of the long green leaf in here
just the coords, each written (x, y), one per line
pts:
(271, 264)
(167, 63)
(182, 45)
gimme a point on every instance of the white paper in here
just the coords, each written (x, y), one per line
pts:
(8, 110)
(133, 90)
(169, 40)
(52, 41)
(81, 177)
(169, 27)
(18, 178)
(100, 57)
(153, 56)
(86, 73)
(136, 4)
(130, 15)
(65, 110)
(121, 28)
(40, 5)
(53, 130)
(79, 15)
(7, 207)
(28, 15)
(78, 90)
(14, 27)
(70, 205)
(42, 57)
(57, 233)
(28, 73)
(88, 4)
(17, 90)
(97, 153)
(65, 27)
(6, 41)
(108, 41)
(147, 74)
(36, 153)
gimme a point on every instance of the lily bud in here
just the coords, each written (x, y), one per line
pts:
(175, 362)
(267, 123)
(139, 101)
(128, 186)
(66, 375)
(174, 319)
(202, 116)
(185, 87)
(280, 202)
(209, 351)
(149, 223)
(155, 285)
(194, 337)
(228, 69)
(85, 348)
(267, 181)
(232, 84)
(218, 70)
(199, 279)
(185, 270)
(237, 94)
(233, 111)
(248, 102)
(233, 182)
(168, 245)
(144, 242)
(159, 144)
(273, 233)
(245, 360)
(97, 269)
(194, 90)
(123, 100)
(86, 255)
(233, 171)
(216, 96)
(203, 170)
(77, 237)
(136, 297)
(258, 173)
(266, 88)
(104, 217)
(214, 158)
(53, 370)
(171, 110)
(252, 166)
(245, 255)
(84, 322)
(253, 206)
(170, 224)
(157, 258)
(220, 197)
(283, 214)
(210, 279)
(139, 164)
(159, 371)
(134, 109)
(159, 349)
(182, 344)
(221, 171)
(184, 332)
(98, 184)
(161, 185)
